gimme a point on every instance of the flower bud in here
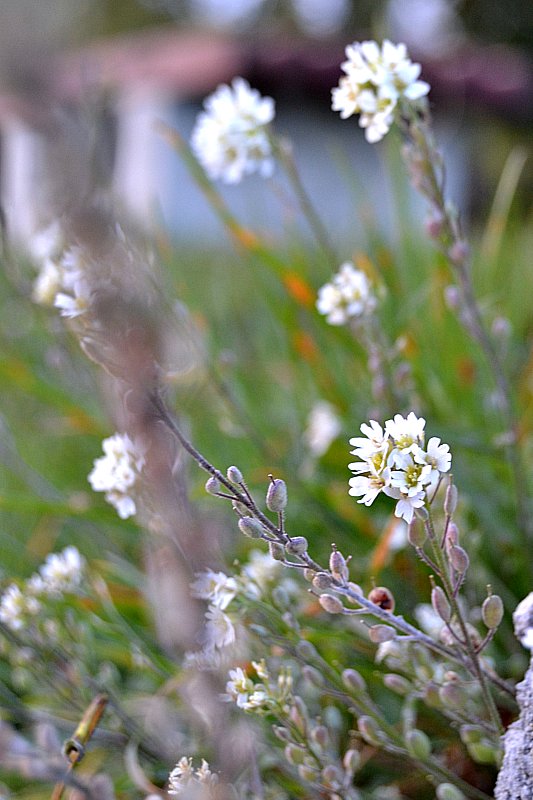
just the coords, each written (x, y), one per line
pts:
(418, 744)
(382, 597)
(353, 680)
(322, 581)
(251, 527)
(298, 714)
(431, 695)
(307, 773)
(447, 791)
(453, 695)
(306, 650)
(458, 252)
(331, 775)
(450, 499)
(458, 558)
(240, 508)
(484, 752)
(452, 534)
(320, 735)
(276, 498)
(277, 551)
(313, 676)
(470, 734)
(331, 604)
(351, 760)
(440, 604)
(492, 611)
(212, 485)
(369, 730)
(397, 683)
(234, 475)
(337, 565)
(294, 754)
(281, 733)
(416, 533)
(356, 589)
(381, 633)
(309, 574)
(297, 545)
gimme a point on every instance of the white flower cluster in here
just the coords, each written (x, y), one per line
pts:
(184, 778)
(244, 692)
(117, 473)
(348, 296)
(62, 278)
(376, 79)
(395, 461)
(61, 573)
(230, 138)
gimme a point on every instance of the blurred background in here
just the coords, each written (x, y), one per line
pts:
(135, 62)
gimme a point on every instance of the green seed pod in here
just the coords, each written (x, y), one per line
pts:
(331, 604)
(431, 695)
(251, 527)
(492, 611)
(307, 773)
(337, 565)
(297, 545)
(450, 499)
(298, 714)
(484, 752)
(313, 676)
(331, 775)
(295, 755)
(447, 791)
(351, 761)
(356, 589)
(240, 508)
(212, 485)
(416, 533)
(470, 734)
(276, 498)
(277, 551)
(418, 744)
(440, 604)
(381, 633)
(452, 534)
(458, 558)
(306, 650)
(234, 475)
(322, 581)
(353, 680)
(320, 736)
(309, 574)
(369, 730)
(397, 683)
(453, 695)
(281, 733)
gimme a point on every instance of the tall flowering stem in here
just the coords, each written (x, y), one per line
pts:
(425, 166)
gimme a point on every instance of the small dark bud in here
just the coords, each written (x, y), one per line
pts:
(212, 485)
(277, 551)
(492, 611)
(250, 527)
(276, 498)
(382, 597)
(297, 545)
(234, 475)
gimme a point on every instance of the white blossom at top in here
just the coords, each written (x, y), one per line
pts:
(117, 473)
(185, 777)
(62, 572)
(217, 587)
(376, 79)
(323, 427)
(348, 296)
(230, 138)
(16, 607)
(393, 460)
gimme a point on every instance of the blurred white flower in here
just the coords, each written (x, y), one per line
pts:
(185, 776)
(230, 138)
(47, 284)
(260, 570)
(118, 472)
(323, 427)
(219, 631)
(217, 587)
(348, 296)
(376, 79)
(62, 572)
(16, 607)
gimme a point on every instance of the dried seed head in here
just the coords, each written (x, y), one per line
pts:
(416, 533)
(440, 603)
(276, 498)
(381, 633)
(277, 551)
(450, 499)
(369, 730)
(492, 611)
(234, 475)
(212, 485)
(337, 565)
(382, 597)
(418, 744)
(353, 680)
(331, 604)
(251, 527)
(322, 581)
(458, 558)
(297, 545)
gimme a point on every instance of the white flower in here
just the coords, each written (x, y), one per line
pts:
(375, 81)
(374, 441)
(77, 303)
(436, 455)
(185, 776)
(323, 426)
(47, 284)
(16, 607)
(348, 296)
(219, 630)
(257, 699)
(230, 138)
(118, 472)
(46, 243)
(239, 687)
(259, 572)
(369, 486)
(407, 432)
(62, 572)
(216, 587)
